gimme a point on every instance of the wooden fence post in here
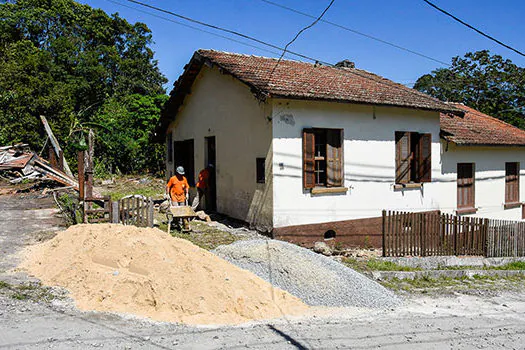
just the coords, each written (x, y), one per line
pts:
(114, 212)
(150, 213)
(384, 233)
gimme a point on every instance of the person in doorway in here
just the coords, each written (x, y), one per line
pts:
(203, 186)
(177, 191)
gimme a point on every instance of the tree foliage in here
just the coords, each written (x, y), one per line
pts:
(488, 83)
(75, 64)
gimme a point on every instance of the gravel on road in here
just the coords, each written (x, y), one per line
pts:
(316, 279)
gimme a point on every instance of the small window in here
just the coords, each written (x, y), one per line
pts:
(466, 198)
(260, 170)
(413, 157)
(322, 158)
(512, 183)
(170, 147)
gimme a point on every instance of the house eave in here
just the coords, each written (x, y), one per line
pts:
(367, 103)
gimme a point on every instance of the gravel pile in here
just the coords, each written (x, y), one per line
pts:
(314, 278)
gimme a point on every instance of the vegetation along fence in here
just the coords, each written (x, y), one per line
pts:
(434, 234)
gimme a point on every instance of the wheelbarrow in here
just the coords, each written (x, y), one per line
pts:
(183, 212)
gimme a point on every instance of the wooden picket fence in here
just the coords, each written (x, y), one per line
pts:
(135, 210)
(435, 234)
(506, 238)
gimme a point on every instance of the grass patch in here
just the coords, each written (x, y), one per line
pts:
(516, 265)
(449, 285)
(357, 264)
(205, 236)
(382, 265)
(29, 291)
(126, 185)
(367, 266)
(19, 296)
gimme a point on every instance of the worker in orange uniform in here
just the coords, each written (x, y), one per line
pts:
(177, 191)
(203, 186)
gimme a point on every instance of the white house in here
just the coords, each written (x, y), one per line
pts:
(309, 151)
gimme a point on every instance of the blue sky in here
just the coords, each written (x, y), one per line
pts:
(408, 23)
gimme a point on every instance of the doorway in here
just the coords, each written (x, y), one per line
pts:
(210, 158)
(183, 156)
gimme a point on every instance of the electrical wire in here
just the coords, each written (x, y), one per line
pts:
(194, 28)
(340, 26)
(236, 33)
(473, 28)
(300, 32)
(377, 80)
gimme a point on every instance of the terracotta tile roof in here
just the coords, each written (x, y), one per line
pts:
(477, 128)
(300, 80)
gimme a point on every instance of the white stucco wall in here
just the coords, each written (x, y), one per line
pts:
(221, 106)
(489, 177)
(369, 165)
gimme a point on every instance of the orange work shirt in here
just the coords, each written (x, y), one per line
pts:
(204, 175)
(177, 188)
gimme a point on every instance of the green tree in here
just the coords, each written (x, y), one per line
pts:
(488, 83)
(68, 61)
(128, 124)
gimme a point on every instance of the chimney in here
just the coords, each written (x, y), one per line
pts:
(345, 64)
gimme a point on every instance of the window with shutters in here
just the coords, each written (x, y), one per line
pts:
(512, 185)
(466, 187)
(413, 157)
(322, 158)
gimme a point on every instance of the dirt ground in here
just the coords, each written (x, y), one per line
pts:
(32, 317)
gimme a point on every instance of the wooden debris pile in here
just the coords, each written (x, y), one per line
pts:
(18, 163)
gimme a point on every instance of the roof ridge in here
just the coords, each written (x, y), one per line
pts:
(251, 55)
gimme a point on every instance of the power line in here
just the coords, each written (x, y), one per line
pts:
(344, 71)
(306, 28)
(224, 30)
(299, 33)
(356, 32)
(195, 28)
(473, 28)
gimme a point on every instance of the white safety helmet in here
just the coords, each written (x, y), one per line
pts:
(180, 170)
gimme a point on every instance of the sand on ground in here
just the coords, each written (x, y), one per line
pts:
(146, 272)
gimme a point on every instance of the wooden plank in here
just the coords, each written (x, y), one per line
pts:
(56, 146)
(383, 226)
(406, 232)
(114, 212)
(150, 216)
(389, 234)
(410, 233)
(98, 210)
(144, 217)
(398, 234)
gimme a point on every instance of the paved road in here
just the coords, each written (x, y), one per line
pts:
(464, 323)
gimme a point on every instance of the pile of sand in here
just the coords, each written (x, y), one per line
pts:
(144, 271)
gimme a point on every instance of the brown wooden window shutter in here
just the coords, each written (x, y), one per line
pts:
(308, 158)
(334, 158)
(512, 183)
(465, 185)
(424, 158)
(403, 157)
